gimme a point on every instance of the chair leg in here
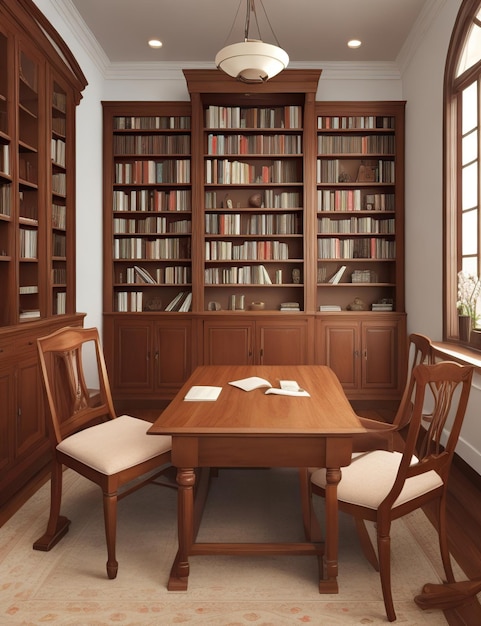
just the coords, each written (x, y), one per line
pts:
(384, 551)
(110, 519)
(443, 540)
(366, 543)
(57, 525)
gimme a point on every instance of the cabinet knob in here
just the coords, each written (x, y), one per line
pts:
(156, 357)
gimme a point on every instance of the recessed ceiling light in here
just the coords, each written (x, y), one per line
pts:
(155, 43)
(354, 43)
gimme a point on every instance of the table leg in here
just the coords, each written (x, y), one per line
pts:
(179, 574)
(329, 583)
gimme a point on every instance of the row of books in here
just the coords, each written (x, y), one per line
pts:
(360, 225)
(354, 200)
(225, 172)
(246, 251)
(253, 117)
(151, 225)
(246, 275)
(59, 245)
(28, 243)
(362, 248)
(355, 144)
(155, 249)
(253, 144)
(150, 172)
(330, 170)
(153, 122)
(151, 144)
(59, 184)
(152, 200)
(5, 158)
(59, 216)
(172, 275)
(252, 224)
(57, 151)
(5, 200)
(132, 301)
(358, 121)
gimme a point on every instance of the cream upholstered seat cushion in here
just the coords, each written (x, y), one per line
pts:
(115, 445)
(370, 477)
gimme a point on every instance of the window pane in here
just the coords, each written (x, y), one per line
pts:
(470, 147)
(470, 266)
(470, 186)
(470, 231)
(471, 52)
(470, 108)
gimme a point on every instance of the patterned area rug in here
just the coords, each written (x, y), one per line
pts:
(69, 585)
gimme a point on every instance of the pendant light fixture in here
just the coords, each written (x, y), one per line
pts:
(252, 60)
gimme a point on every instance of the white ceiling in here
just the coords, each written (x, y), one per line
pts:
(195, 30)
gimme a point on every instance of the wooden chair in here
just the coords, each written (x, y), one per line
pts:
(382, 486)
(378, 436)
(381, 436)
(87, 436)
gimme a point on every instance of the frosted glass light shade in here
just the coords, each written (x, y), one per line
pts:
(252, 61)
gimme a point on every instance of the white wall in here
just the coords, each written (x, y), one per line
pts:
(423, 90)
(421, 85)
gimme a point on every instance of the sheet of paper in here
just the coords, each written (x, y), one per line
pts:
(199, 393)
(251, 383)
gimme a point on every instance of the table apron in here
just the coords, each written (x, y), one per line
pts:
(261, 451)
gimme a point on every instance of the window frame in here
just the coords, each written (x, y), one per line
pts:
(452, 167)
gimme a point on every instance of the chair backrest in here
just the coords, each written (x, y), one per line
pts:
(420, 351)
(446, 385)
(71, 405)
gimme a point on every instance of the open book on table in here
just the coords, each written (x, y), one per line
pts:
(286, 387)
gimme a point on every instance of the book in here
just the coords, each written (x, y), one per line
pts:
(250, 383)
(338, 275)
(202, 393)
(175, 302)
(144, 275)
(329, 307)
(185, 306)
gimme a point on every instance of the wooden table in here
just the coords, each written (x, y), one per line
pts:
(251, 429)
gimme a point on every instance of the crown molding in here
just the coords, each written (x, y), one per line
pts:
(80, 31)
(427, 16)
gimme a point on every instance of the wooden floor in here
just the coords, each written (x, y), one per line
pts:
(464, 525)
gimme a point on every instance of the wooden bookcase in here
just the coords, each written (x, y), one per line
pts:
(148, 212)
(40, 86)
(266, 162)
(360, 199)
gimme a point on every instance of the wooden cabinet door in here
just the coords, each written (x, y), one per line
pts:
(338, 346)
(6, 411)
(380, 355)
(281, 343)
(172, 354)
(30, 428)
(133, 356)
(228, 343)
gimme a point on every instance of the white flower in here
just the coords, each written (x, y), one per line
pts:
(469, 288)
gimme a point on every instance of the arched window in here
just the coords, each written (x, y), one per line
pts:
(462, 173)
